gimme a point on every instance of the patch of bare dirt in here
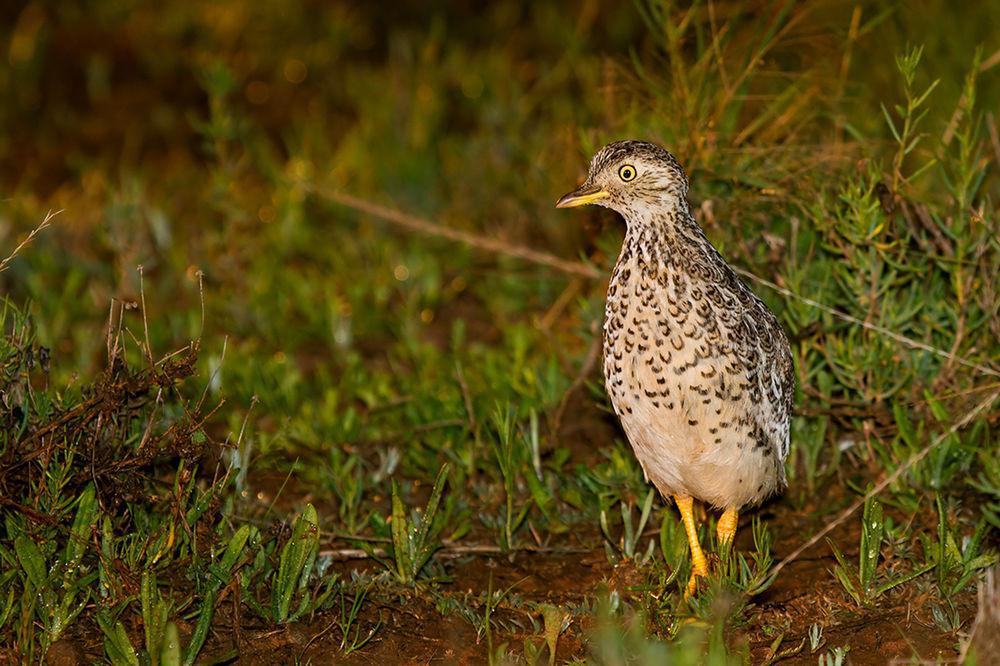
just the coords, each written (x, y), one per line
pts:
(900, 626)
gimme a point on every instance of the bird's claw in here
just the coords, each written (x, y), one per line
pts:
(692, 585)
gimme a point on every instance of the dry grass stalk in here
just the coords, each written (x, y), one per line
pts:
(27, 240)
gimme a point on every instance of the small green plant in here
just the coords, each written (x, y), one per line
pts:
(776, 654)
(628, 546)
(736, 580)
(291, 596)
(956, 565)
(221, 574)
(815, 636)
(809, 443)
(117, 645)
(835, 657)
(478, 611)
(511, 459)
(485, 628)
(162, 641)
(910, 116)
(56, 593)
(461, 605)
(674, 548)
(538, 482)
(347, 480)
(346, 622)
(988, 483)
(555, 621)
(750, 575)
(155, 613)
(621, 635)
(947, 617)
(295, 568)
(864, 585)
(415, 540)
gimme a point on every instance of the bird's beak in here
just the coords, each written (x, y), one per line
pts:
(586, 194)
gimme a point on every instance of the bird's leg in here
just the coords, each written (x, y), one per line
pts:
(725, 529)
(699, 565)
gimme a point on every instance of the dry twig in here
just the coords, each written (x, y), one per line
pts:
(27, 240)
(449, 549)
(427, 227)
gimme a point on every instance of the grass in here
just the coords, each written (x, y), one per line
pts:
(301, 429)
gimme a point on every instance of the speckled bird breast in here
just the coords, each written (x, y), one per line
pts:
(696, 367)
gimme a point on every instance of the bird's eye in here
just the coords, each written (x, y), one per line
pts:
(627, 172)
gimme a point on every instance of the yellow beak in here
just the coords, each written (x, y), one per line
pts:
(582, 196)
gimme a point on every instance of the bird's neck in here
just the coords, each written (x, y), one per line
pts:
(664, 237)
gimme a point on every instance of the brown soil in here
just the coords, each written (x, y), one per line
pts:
(414, 631)
(414, 628)
(899, 627)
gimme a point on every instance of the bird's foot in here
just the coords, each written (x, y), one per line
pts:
(726, 529)
(696, 573)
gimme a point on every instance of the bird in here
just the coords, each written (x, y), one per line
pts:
(696, 367)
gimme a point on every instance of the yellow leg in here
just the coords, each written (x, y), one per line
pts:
(699, 565)
(725, 529)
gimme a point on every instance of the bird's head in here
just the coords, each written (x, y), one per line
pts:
(631, 177)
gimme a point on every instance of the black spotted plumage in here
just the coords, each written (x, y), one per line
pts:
(696, 366)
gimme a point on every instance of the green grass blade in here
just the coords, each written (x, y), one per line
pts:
(427, 520)
(170, 655)
(200, 632)
(32, 561)
(116, 643)
(296, 558)
(400, 537)
(871, 542)
(83, 522)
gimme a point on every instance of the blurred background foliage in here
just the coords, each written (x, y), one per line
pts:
(204, 139)
(188, 137)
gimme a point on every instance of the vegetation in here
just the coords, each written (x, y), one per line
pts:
(254, 407)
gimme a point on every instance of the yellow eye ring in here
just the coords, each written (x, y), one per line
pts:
(627, 172)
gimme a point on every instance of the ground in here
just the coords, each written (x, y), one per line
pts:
(303, 368)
